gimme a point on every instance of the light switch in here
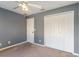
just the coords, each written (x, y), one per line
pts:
(39, 40)
(0, 44)
(9, 42)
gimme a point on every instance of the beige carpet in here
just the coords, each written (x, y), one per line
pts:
(31, 50)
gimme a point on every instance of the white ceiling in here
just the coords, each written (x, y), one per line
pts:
(46, 4)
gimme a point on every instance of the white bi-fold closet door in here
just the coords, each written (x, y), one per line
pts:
(30, 29)
(59, 31)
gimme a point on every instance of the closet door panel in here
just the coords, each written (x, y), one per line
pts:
(52, 32)
(59, 31)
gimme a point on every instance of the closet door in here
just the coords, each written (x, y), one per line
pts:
(59, 31)
(53, 32)
(69, 31)
(30, 30)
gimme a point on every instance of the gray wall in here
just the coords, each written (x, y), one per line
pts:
(12, 28)
(39, 23)
(39, 26)
(76, 29)
(77, 40)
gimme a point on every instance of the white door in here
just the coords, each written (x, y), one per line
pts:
(30, 30)
(59, 31)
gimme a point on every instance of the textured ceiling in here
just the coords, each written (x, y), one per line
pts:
(46, 4)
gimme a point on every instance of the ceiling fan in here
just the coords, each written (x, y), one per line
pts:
(24, 6)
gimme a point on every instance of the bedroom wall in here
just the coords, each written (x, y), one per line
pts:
(12, 28)
(39, 23)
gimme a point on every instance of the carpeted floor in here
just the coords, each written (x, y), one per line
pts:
(31, 50)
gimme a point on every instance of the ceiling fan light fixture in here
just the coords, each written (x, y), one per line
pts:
(24, 7)
(20, 5)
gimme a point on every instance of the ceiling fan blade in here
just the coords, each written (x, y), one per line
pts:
(34, 5)
(16, 7)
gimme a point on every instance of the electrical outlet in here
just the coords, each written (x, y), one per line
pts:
(0, 44)
(9, 42)
(39, 40)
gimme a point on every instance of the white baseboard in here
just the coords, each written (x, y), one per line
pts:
(12, 46)
(38, 44)
(20, 44)
(76, 54)
(50, 47)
